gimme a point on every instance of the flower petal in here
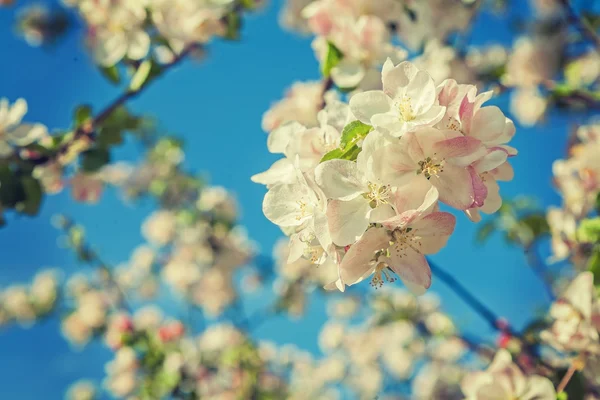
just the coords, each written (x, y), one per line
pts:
(357, 263)
(340, 179)
(348, 220)
(366, 104)
(455, 186)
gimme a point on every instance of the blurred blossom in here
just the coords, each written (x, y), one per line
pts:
(40, 25)
(12, 131)
(506, 380)
(301, 103)
(575, 318)
(533, 61)
(82, 390)
(160, 227)
(528, 105)
(86, 188)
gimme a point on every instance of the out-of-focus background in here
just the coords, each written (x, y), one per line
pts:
(216, 106)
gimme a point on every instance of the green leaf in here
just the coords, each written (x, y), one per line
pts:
(589, 231)
(82, 114)
(234, 24)
(33, 195)
(597, 205)
(94, 159)
(353, 133)
(141, 75)
(593, 265)
(250, 4)
(111, 73)
(11, 188)
(535, 226)
(485, 231)
(120, 118)
(109, 137)
(332, 58)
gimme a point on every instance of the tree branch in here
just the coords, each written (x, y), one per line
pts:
(582, 23)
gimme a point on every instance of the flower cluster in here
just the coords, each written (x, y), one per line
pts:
(577, 179)
(126, 29)
(25, 304)
(361, 32)
(362, 190)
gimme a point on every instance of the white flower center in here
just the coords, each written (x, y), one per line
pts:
(303, 210)
(430, 167)
(379, 274)
(405, 109)
(377, 194)
(403, 239)
(311, 252)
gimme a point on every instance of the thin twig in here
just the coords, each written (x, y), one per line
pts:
(582, 23)
(87, 129)
(539, 270)
(485, 312)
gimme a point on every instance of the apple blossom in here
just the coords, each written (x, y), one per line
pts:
(573, 329)
(12, 131)
(506, 381)
(408, 101)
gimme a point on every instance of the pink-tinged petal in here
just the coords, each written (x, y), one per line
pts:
(455, 186)
(504, 172)
(394, 165)
(493, 201)
(473, 214)
(465, 113)
(419, 195)
(457, 147)
(488, 124)
(372, 31)
(398, 78)
(479, 188)
(411, 267)
(493, 159)
(447, 92)
(357, 263)
(400, 220)
(348, 220)
(414, 143)
(319, 18)
(366, 104)
(511, 151)
(339, 179)
(435, 224)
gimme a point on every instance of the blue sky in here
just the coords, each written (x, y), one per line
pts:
(216, 106)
